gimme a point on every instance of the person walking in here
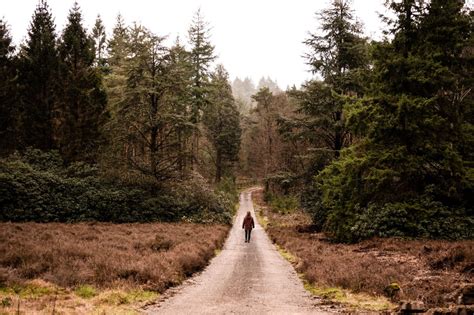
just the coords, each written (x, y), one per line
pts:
(248, 225)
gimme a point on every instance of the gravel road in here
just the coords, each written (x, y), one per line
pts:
(245, 278)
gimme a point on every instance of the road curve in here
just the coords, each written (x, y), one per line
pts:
(245, 278)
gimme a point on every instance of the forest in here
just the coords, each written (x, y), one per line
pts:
(123, 128)
(123, 154)
(120, 129)
(380, 142)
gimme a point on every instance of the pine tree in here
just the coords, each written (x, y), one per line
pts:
(99, 39)
(117, 57)
(118, 44)
(151, 121)
(39, 81)
(267, 115)
(9, 111)
(83, 99)
(222, 120)
(115, 82)
(423, 101)
(180, 98)
(410, 174)
(339, 55)
(339, 47)
(202, 55)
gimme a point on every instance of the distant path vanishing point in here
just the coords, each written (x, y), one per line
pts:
(243, 279)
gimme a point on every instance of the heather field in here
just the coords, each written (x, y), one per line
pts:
(424, 270)
(96, 267)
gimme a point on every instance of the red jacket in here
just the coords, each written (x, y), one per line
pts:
(248, 223)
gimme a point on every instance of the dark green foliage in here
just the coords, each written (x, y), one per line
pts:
(410, 174)
(355, 200)
(222, 120)
(282, 204)
(228, 187)
(9, 110)
(322, 119)
(202, 55)
(99, 40)
(37, 186)
(83, 98)
(338, 49)
(153, 108)
(339, 54)
(180, 99)
(143, 131)
(38, 76)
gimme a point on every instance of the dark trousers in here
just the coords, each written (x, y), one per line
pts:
(247, 235)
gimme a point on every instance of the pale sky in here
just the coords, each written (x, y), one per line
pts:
(253, 38)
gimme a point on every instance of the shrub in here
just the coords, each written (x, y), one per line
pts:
(284, 204)
(37, 186)
(90, 257)
(353, 200)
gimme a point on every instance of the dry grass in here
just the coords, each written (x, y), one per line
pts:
(88, 260)
(426, 270)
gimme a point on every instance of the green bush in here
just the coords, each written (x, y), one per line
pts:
(420, 217)
(228, 187)
(284, 204)
(386, 194)
(36, 186)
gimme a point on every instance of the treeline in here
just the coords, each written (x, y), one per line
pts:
(381, 142)
(139, 112)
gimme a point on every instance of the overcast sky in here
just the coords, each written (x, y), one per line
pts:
(253, 38)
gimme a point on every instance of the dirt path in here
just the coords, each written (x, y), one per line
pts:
(243, 279)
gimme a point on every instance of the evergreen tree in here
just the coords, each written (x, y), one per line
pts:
(99, 39)
(267, 116)
(117, 57)
(83, 99)
(115, 82)
(339, 55)
(151, 121)
(410, 174)
(202, 55)
(39, 80)
(118, 44)
(222, 120)
(180, 98)
(9, 111)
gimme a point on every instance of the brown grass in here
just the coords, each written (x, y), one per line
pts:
(426, 270)
(154, 256)
(144, 257)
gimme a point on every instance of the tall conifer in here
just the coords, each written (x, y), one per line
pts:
(83, 99)
(9, 111)
(39, 80)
